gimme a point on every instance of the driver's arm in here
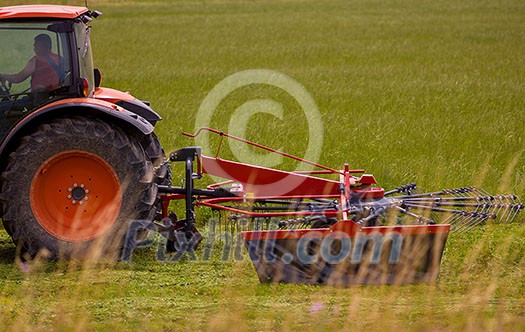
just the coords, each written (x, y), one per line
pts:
(28, 70)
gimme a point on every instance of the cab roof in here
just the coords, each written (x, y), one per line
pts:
(41, 11)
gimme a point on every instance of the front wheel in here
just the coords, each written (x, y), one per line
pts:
(72, 187)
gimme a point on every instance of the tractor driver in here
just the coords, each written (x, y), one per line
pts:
(45, 67)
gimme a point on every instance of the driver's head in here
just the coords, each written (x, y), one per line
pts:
(42, 44)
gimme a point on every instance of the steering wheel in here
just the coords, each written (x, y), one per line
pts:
(5, 87)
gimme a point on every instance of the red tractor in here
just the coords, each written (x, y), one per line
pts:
(77, 160)
(83, 172)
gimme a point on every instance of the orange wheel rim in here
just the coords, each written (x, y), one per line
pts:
(76, 196)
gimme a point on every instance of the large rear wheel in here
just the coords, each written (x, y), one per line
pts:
(73, 186)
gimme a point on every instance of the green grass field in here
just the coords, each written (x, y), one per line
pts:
(412, 91)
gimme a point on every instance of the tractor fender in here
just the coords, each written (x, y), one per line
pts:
(74, 106)
(127, 101)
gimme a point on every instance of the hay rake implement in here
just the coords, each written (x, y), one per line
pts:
(301, 228)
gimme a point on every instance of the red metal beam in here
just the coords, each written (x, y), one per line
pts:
(262, 181)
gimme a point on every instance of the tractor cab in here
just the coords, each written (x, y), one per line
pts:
(45, 57)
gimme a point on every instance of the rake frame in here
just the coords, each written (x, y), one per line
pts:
(317, 210)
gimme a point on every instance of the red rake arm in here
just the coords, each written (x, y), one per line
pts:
(222, 134)
(262, 181)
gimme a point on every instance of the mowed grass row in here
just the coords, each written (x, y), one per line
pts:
(411, 91)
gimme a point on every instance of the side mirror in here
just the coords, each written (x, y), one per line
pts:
(98, 77)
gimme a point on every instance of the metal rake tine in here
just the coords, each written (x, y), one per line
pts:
(485, 208)
(482, 196)
(472, 218)
(460, 222)
(485, 196)
(492, 211)
(484, 192)
(514, 209)
(505, 208)
(456, 222)
(473, 223)
(499, 204)
(450, 219)
(500, 211)
(455, 227)
(413, 215)
(482, 218)
(463, 230)
(455, 217)
(511, 215)
(517, 201)
(468, 228)
(461, 193)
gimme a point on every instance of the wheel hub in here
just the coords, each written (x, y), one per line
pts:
(76, 196)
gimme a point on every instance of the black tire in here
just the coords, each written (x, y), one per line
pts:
(75, 138)
(156, 153)
(162, 171)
